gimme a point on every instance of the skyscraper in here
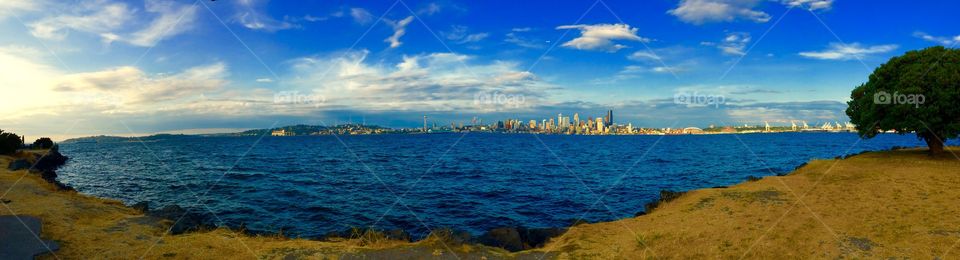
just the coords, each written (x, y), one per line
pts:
(608, 120)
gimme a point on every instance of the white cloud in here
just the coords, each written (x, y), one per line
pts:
(734, 43)
(430, 9)
(311, 18)
(601, 36)
(839, 51)
(643, 55)
(112, 22)
(136, 87)
(23, 73)
(514, 38)
(173, 19)
(521, 29)
(264, 80)
(8, 7)
(361, 16)
(99, 17)
(251, 16)
(435, 81)
(459, 34)
(945, 41)
(399, 29)
(810, 4)
(707, 11)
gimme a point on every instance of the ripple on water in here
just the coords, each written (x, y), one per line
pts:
(313, 185)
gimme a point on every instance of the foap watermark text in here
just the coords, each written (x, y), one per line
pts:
(698, 99)
(884, 98)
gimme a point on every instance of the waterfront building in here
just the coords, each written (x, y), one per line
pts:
(280, 132)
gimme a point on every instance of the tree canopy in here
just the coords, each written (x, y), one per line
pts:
(918, 92)
(9, 142)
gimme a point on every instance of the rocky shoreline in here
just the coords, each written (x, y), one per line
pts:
(513, 238)
(45, 165)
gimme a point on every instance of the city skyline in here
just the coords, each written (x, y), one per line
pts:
(129, 67)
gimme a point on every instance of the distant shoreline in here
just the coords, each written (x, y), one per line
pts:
(145, 138)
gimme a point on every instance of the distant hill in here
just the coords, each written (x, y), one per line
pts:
(291, 130)
(319, 130)
(117, 139)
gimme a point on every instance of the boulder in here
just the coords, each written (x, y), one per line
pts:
(19, 164)
(519, 238)
(505, 237)
(142, 206)
(184, 220)
(397, 234)
(665, 196)
(538, 237)
(49, 161)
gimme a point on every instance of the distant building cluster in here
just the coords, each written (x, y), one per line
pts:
(605, 125)
(562, 124)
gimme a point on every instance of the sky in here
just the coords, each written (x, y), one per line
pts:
(91, 67)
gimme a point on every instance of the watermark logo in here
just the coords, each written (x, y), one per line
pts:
(698, 99)
(497, 98)
(297, 98)
(884, 98)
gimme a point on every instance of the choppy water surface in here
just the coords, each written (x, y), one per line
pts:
(312, 185)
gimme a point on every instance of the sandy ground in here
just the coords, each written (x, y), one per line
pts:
(897, 205)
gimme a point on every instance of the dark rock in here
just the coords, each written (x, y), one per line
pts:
(519, 238)
(538, 237)
(5, 201)
(506, 237)
(142, 206)
(19, 164)
(184, 221)
(51, 177)
(665, 196)
(577, 222)
(719, 187)
(397, 234)
(50, 161)
(753, 178)
(639, 213)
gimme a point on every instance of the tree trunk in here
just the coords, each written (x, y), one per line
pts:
(934, 143)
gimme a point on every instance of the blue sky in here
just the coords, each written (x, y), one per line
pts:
(132, 67)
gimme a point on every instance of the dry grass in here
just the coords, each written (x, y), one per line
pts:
(899, 204)
(88, 227)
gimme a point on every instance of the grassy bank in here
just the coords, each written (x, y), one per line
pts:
(890, 205)
(899, 204)
(89, 227)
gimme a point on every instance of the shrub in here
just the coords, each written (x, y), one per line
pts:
(43, 143)
(9, 142)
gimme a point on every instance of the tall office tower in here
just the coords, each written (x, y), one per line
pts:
(609, 119)
(576, 119)
(533, 124)
(559, 120)
(424, 123)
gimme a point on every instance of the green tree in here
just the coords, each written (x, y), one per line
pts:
(918, 92)
(9, 142)
(43, 143)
